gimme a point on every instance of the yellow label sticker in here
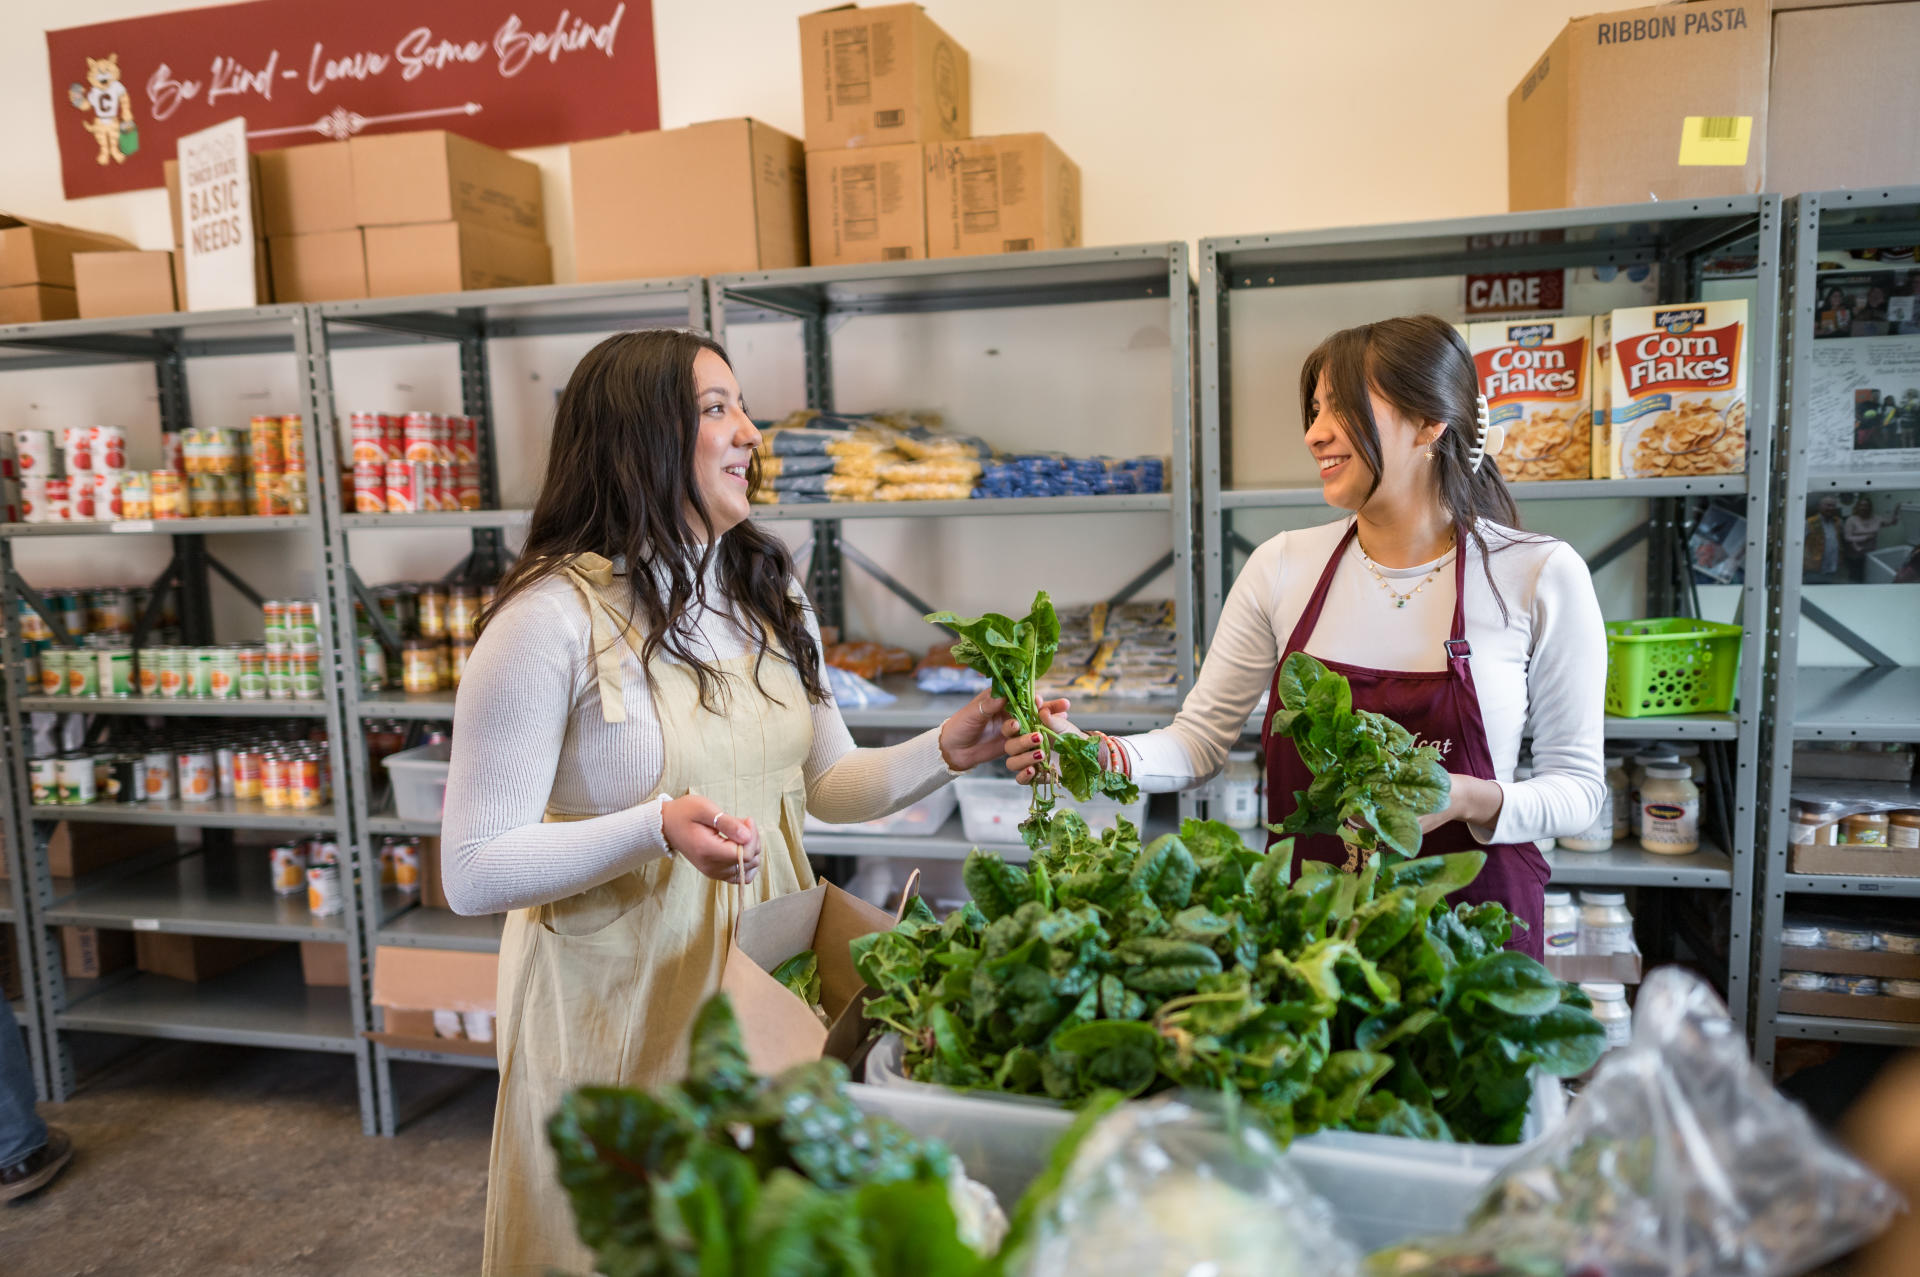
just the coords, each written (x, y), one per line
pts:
(1718, 141)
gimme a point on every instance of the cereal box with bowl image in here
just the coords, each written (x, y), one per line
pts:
(1678, 408)
(1534, 373)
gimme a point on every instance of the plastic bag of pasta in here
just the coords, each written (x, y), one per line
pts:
(923, 492)
(923, 444)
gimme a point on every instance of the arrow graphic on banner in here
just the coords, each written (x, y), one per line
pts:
(342, 123)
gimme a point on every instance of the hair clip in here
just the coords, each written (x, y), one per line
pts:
(1487, 436)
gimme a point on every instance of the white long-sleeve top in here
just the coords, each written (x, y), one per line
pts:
(528, 735)
(1547, 662)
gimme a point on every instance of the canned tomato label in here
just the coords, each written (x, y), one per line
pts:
(324, 897)
(53, 672)
(116, 672)
(35, 451)
(160, 786)
(76, 442)
(83, 672)
(197, 784)
(80, 497)
(77, 780)
(109, 445)
(273, 781)
(107, 502)
(33, 499)
(305, 788)
(43, 774)
(406, 480)
(370, 487)
(59, 501)
(246, 772)
(288, 865)
(252, 662)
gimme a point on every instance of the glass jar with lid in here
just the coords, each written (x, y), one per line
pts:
(1669, 810)
(1689, 753)
(1619, 791)
(1610, 1008)
(1903, 831)
(1637, 774)
(1237, 790)
(1866, 829)
(1560, 925)
(1816, 822)
(1605, 925)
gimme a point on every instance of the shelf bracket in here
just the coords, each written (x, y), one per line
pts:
(1240, 541)
(31, 597)
(1139, 583)
(232, 578)
(156, 603)
(1614, 549)
(1833, 625)
(893, 585)
(375, 617)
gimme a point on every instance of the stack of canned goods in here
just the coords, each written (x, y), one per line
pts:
(277, 454)
(71, 475)
(400, 864)
(422, 461)
(437, 622)
(100, 620)
(290, 658)
(279, 772)
(80, 474)
(312, 867)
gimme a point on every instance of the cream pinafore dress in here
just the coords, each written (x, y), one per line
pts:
(601, 988)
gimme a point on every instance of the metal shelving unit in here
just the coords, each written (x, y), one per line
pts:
(471, 322)
(1676, 239)
(16, 898)
(216, 891)
(1876, 701)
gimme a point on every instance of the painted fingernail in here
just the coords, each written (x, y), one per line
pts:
(1036, 755)
(1036, 738)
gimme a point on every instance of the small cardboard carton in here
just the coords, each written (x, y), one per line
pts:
(171, 171)
(1873, 962)
(1844, 98)
(779, 1030)
(633, 216)
(1535, 375)
(323, 964)
(127, 283)
(1678, 408)
(88, 953)
(1848, 1006)
(306, 189)
(1009, 194)
(410, 984)
(1859, 862)
(451, 257)
(195, 957)
(435, 176)
(36, 303)
(322, 267)
(33, 252)
(875, 77)
(1667, 103)
(868, 204)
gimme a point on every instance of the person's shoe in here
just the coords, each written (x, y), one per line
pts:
(38, 1168)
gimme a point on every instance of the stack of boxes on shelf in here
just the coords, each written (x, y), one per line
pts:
(37, 268)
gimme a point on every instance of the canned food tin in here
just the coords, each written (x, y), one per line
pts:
(160, 776)
(297, 499)
(225, 674)
(288, 864)
(34, 448)
(53, 671)
(306, 676)
(109, 447)
(80, 497)
(441, 494)
(406, 485)
(458, 654)
(169, 494)
(273, 780)
(324, 897)
(77, 781)
(270, 494)
(279, 676)
(102, 773)
(323, 851)
(466, 483)
(233, 495)
(253, 672)
(463, 440)
(203, 495)
(373, 664)
(419, 431)
(199, 672)
(273, 615)
(43, 774)
(434, 604)
(463, 609)
(116, 672)
(293, 443)
(173, 452)
(173, 663)
(305, 788)
(263, 437)
(150, 671)
(197, 784)
(367, 448)
(419, 672)
(223, 767)
(76, 443)
(83, 672)
(406, 864)
(126, 779)
(107, 494)
(389, 876)
(246, 772)
(109, 611)
(303, 623)
(136, 494)
(370, 487)
(59, 501)
(33, 500)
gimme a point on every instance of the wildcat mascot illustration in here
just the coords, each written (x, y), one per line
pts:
(110, 107)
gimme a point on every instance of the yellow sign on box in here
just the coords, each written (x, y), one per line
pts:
(1717, 141)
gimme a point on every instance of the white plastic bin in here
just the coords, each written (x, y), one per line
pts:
(922, 820)
(1384, 1188)
(992, 808)
(419, 781)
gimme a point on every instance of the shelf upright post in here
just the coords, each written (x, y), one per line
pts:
(17, 829)
(1216, 410)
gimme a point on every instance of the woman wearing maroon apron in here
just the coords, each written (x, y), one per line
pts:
(1440, 613)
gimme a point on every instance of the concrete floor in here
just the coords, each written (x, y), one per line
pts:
(217, 1161)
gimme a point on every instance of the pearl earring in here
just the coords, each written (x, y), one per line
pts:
(1429, 454)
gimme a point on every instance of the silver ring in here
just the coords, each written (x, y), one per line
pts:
(716, 822)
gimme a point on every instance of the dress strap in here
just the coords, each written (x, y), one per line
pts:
(590, 574)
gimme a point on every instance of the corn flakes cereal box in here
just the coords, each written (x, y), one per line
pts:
(1534, 373)
(1678, 406)
(1600, 379)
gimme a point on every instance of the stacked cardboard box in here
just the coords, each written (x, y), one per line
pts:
(107, 285)
(36, 268)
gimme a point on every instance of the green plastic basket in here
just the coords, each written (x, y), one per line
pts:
(1671, 666)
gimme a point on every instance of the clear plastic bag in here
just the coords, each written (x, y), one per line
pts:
(1172, 1188)
(1678, 1160)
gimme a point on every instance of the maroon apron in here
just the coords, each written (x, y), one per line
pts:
(1441, 708)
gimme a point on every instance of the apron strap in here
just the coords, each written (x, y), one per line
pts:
(1310, 615)
(589, 574)
(1458, 649)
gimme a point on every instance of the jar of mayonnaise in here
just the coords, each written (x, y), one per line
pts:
(1636, 776)
(1236, 791)
(1669, 810)
(1610, 1008)
(1605, 925)
(1560, 925)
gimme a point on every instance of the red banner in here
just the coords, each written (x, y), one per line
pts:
(509, 73)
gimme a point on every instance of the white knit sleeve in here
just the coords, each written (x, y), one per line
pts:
(516, 696)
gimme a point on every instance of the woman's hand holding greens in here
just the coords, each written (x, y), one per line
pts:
(973, 735)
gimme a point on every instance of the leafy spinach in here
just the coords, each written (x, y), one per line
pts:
(801, 976)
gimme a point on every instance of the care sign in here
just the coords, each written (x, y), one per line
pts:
(216, 217)
(1517, 292)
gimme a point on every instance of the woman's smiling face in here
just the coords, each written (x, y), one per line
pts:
(1346, 480)
(724, 447)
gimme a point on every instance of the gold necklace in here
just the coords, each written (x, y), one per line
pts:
(1399, 599)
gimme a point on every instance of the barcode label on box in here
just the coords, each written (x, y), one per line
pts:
(889, 119)
(146, 924)
(1708, 141)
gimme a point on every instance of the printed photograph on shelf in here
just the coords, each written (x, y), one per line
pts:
(1718, 546)
(1874, 303)
(1866, 404)
(1866, 538)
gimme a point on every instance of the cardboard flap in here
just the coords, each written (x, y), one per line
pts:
(410, 979)
(778, 1029)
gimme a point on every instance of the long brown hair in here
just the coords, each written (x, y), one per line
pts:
(620, 481)
(1420, 365)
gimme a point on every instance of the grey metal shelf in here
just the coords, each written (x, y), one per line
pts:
(264, 1003)
(237, 525)
(1839, 885)
(420, 927)
(413, 1055)
(208, 894)
(1671, 727)
(1630, 865)
(172, 707)
(916, 709)
(948, 843)
(395, 825)
(1850, 480)
(1825, 1028)
(426, 519)
(1562, 490)
(1869, 703)
(539, 311)
(430, 706)
(1115, 503)
(220, 813)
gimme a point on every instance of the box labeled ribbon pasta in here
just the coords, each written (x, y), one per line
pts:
(1535, 375)
(1679, 402)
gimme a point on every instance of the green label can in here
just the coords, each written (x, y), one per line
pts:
(53, 672)
(116, 672)
(279, 676)
(200, 672)
(77, 786)
(373, 664)
(253, 673)
(305, 671)
(44, 775)
(273, 616)
(83, 672)
(225, 685)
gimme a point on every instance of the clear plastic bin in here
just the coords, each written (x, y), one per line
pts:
(1384, 1188)
(922, 820)
(419, 781)
(992, 808)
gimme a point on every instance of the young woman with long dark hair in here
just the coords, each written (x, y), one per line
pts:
(1439, 611)
(641, 728)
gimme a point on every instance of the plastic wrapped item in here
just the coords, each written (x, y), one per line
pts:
(850, 691)
(832, 485)
(1171, 1188)
(938, 675)
(1678, 1158)
(946, 470)
(923, 492)
(869, 660)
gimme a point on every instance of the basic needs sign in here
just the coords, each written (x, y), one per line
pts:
(216, 217)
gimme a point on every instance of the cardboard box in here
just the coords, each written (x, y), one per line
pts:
(34, 252)
(1844, 99)
(868, 204)
(305, 190)
(323, 267)
(1847, 1006)
(451, 257)
(633, 218)
(129, 283)
(874, 77)
(323, 964)
(1873, 962)
(87, 953)
(262, 277)
(403, 179)
(195, 957)
(410, 984)
(171, 174)
(1856, 862)
(1665, 103)
(1600, 383)
(33, 303)
(1678, 407)
(80, 848)
(1004, 194)
(1536, 375)
(778, 1029)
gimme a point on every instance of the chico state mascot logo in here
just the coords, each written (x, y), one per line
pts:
(109, 107)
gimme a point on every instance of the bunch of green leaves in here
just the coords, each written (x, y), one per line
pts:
(1355, 1001)
(1013, 655)
(1371, 781)
(729, 1173)
(800, 975)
